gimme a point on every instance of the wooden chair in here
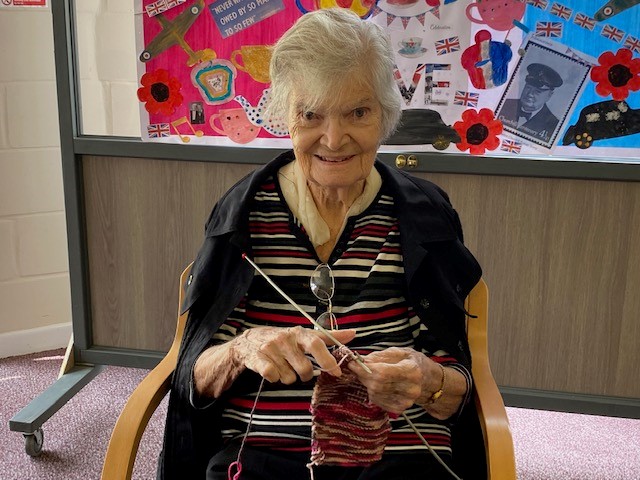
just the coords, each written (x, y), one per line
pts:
(126, 435)
(123, 446)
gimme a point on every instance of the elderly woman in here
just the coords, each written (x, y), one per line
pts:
(376, 253)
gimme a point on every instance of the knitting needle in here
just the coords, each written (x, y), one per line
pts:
(354, 355)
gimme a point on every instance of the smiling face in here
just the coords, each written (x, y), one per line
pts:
(335, 141)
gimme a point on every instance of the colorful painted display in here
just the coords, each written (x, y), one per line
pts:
(499, 77)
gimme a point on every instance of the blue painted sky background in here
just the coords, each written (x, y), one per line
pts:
(592, 43)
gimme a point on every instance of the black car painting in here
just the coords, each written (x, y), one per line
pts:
(601, 120)
(423, 127)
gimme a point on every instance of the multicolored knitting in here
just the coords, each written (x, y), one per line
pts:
(346, 429)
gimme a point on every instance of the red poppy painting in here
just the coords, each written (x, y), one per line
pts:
(160, 92)
(617, 74)
(478, 131)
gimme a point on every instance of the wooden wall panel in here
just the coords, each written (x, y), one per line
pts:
(145, 222)
(562, 261)
(561, 257)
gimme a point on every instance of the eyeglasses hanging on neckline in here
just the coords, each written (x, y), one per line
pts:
(322, 285)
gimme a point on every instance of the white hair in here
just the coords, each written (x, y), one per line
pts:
(323, 50)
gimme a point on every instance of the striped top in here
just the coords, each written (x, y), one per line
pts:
(369, 297)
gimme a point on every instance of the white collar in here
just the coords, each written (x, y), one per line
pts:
(299, 199)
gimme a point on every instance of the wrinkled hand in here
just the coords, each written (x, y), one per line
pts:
(279, 354)
(397, 379)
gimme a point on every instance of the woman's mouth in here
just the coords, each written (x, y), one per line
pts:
(334, 159)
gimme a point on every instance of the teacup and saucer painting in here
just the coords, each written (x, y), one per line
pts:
(411, 47)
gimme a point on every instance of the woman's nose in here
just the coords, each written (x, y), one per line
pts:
(335, 135)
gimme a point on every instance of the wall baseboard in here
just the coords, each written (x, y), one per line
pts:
(571, 402)
(23, 342)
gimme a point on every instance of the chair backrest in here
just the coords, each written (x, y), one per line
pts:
(182, 318)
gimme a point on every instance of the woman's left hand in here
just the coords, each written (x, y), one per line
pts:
(397, 377)
(400, 378)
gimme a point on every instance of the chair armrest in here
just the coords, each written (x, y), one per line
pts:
(489, 404)
(125, 439)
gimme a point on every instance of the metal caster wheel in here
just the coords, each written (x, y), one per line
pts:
(33, 442)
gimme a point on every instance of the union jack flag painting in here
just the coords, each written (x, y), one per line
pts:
(466, 99)
(584, 21)
(541, 4)
(561, 11)
(157, 130)
(632, 43)
(549, 29)
(447, 45)
(156, 8)
(612, 33)
(511, 146)
(161, 6)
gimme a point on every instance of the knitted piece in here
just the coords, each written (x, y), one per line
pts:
(346, 429)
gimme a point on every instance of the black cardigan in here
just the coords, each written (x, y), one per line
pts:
(440, 272)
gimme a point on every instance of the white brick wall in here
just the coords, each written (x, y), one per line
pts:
(32, 109)
(31, 180)
(3, 112)
(8, 264)
(27, 51)
(40, 235)
(127, 119)
(107, 67)
(34, 278)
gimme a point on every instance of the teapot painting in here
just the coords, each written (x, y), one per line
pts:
(362, 8)
(256, 115)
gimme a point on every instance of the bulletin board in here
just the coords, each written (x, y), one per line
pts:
(487, 77)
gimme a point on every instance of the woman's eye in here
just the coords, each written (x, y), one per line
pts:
(308, 115)
(359, 112)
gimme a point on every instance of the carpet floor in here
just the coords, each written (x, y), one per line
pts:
(548, 445)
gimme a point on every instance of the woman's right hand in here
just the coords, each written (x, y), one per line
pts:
(280, 354)
(277, 354)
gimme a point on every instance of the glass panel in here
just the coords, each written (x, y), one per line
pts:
(105, 39)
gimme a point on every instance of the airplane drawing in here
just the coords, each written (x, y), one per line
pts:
(614, 7)
(173, 32)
